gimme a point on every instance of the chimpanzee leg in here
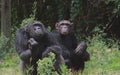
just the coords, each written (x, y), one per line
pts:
(23, 67)
(27, 69)
(34, 70)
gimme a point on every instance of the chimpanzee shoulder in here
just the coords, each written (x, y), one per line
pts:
(21, 39)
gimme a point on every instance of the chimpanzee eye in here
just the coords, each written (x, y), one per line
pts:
(38, 28)
(34, 28)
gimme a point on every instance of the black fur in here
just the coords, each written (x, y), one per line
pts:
(78, 53)
(30, 45)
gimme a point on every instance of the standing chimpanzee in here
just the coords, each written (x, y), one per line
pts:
(65, 36)
(31, 41)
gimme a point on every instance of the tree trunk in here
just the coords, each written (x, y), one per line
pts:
(6, 17)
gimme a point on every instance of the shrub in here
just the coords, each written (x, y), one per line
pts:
(3, 45)
(45, 66)
(27, 20)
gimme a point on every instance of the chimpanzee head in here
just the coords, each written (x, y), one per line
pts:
(36, 29)
(64, 27)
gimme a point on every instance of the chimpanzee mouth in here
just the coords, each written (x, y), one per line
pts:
(64, 33)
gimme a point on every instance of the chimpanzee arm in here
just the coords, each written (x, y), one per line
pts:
(55, 40)
(65, 52)
(86, 56)
(81, 48)
(21, 45)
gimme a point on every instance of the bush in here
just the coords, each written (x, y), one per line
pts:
(45, 66)
(27, 20)
(3, 45)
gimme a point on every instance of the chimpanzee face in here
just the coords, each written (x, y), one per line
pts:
(64, 29)
(36, 30)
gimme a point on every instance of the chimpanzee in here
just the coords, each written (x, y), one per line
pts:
(31, 41)
(65, 36)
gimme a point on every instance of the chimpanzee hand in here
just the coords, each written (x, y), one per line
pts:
(81, 48)
(32, 43)
(78, 50)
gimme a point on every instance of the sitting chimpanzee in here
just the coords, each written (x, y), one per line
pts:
(31, 41)
(65, 36)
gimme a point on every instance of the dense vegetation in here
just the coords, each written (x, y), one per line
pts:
(85, 14)
(96, 22)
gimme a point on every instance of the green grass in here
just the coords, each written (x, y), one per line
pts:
(9, 65)
(104, 64)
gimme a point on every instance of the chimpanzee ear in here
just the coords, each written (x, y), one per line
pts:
(72, 25)
(56, 25)
(27, 27)
(26, 32)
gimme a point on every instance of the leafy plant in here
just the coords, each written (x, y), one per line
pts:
(45, 66)
(3, 45)
(27, 20)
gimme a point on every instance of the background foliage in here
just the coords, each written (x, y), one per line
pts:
(85, 14)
